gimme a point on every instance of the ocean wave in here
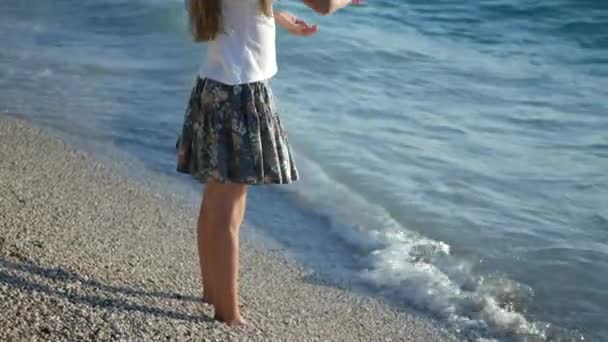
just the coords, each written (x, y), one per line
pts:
(410, 269)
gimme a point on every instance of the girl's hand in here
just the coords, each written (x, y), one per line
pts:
(294, 25)
(327, 7)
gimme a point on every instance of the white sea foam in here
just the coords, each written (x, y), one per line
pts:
(417, 271)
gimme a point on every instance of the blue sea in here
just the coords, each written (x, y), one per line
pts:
(454, 154)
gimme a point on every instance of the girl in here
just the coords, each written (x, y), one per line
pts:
(232, 136)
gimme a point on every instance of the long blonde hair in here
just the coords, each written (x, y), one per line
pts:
(206, 17)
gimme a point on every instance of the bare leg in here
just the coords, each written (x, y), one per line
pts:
(223, 212)
(203, 254)
(183, 154)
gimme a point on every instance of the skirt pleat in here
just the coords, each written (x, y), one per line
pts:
(233, 134)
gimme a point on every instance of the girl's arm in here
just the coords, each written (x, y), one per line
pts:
(294, 24)
(326, 7)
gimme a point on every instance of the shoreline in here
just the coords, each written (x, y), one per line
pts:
(87, 255)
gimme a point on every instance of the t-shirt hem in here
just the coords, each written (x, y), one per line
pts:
(235, 81)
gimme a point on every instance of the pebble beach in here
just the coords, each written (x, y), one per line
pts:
(86, 255)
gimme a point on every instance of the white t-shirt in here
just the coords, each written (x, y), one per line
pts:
(245, 50)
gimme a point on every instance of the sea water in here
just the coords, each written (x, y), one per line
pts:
(454, 154)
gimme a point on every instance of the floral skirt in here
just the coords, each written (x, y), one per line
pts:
(233, 134)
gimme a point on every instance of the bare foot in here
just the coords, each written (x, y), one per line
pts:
(206, 300)
(235, 322)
